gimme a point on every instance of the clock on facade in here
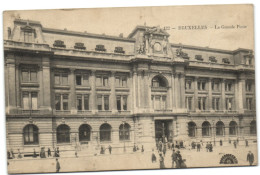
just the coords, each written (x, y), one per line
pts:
(157, 47)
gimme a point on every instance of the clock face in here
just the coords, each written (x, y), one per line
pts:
(157, 47)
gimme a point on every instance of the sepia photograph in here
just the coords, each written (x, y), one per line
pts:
(129, 88)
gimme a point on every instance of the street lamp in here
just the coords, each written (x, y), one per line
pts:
(214, 132)
(124, 136)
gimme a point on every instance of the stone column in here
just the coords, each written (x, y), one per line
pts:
(223, 95)
(210, 95)
(173, 95)
(177, 92)
(135, 91)
(46, 84)
(113, 92)
(11, 83)
(196, 93)
(236, 100)
(242, 93)
(17, 79)
(93, 91)
(182, 90)
(72, 82)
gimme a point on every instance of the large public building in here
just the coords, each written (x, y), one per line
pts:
(71, 89)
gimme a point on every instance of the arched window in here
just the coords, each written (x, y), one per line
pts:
(105, 132)
(232, 128)
(206, 128)
(159, 81)
(84, 132)
(124, 131)
(192, 129)
(31, 134)
(63, 134)
(253, 127)
(220, 128)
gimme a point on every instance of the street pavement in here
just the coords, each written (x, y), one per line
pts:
(126, 161)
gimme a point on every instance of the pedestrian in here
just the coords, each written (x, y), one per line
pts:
(142, 149)
(235, 144)
(134, 148)
(172, 145)
(42, 153)
(207, 146)
(164, 150)
(174, 158)
(246, 143)
(161, 161)
(102, 151)
(58, 152)
(221, 142)
(179, 159)
(49, 152)
(250, 158)
(57, 166)
(198, 147)
(229, 141)
(160, 146)
(19, 154)
(153, 157)
(9, 155)
(237, 141)
(34, 153)
(210, 147)
(12, 153)
(110, 149)
(54, 152)
(76, 154)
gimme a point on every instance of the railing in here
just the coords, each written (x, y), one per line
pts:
(124, 112)
(84, 112)
(62, 112)
(162, 110)
(104, 112)
(18, 44)
(28, 111)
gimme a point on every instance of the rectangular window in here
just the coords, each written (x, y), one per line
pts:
(215, 86)
(105, 81)
(189, 103)
(65, 99)
(99, 102)
(229, 104)
(188, 84)
(163, 106)
(102, 81)
(61, 102)
(106, 102)
(203, 86)
(26, 105)
(199, 103)
(125, 103)
(249, 103)
(199, 84)
(117, 81)
(58, 102)
(118, 102)
(215, 103)
(29, 75)
(124, 82)
(202, 103)
(30, 100)
(86, 102)
(34, 97)
(28, 37)
(228, 86)
(157, 102)
(248, 86)
(78, 80)
(79, 102)
(61, 79)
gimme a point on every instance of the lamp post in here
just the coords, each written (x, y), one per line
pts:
(124, 136)
(214, 132)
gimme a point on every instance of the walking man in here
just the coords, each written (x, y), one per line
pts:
(161, 162)
(49, 152)
(110, 149)
(246, 143)
(174, 158)
(235, 144)
(221, 142)
(198, 147)
(250, 158)
(57, 166)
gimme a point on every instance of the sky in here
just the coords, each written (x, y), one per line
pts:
(113, 21)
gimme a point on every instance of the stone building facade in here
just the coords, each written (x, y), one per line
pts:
(76, 89)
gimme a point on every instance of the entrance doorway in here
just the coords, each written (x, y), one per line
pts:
(163, 131)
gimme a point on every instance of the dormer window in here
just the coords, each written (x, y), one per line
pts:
(100, 48)
(59, 43)
(79, 46)
(225, 60)
(119, 50)
(212, 59)
(199, 57)
(28, 34)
